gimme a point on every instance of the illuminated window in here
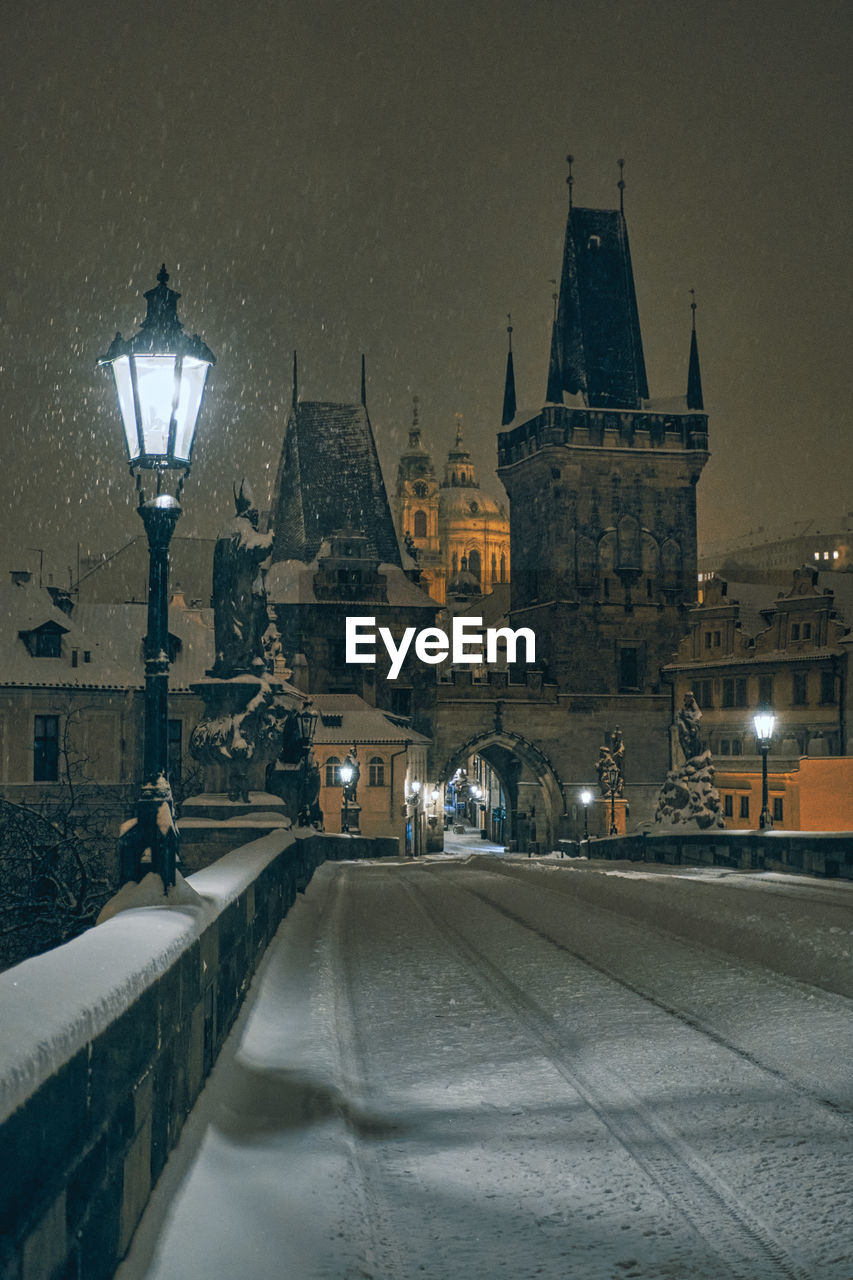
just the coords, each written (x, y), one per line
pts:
(333, 772)
(376, 777)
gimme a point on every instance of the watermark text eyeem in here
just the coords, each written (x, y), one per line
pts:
(464, 646)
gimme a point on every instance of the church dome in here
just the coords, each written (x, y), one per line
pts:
(466, 503)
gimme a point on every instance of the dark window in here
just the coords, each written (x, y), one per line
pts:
(75, 655)
(765, 691)
(717, 639)
(48, 643)
(174, 750)
(401, 702)
(333, 772)
(827, 686)
(87, 655)
(474, 564)
(629, 669)
(703, 693)
(728, 807)
(778, 809)
(801, 689)
(419, 526)
(377, 772)
(734, 691)
(46, 749)
(725, 746)
(795, 630)
(744, 806)
(707, 639)
(807, 631)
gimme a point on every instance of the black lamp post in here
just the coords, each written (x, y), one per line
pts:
(764, 722)
(307, 718)
(414, 799)
(160, 378)
(586, 801)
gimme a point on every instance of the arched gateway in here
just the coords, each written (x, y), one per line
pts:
(533, 788)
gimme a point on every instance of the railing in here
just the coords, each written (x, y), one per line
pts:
(813, 853)
(106, 1044)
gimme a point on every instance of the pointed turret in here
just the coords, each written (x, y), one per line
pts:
(363, 382)
(509, 385)
(596, 348)
(294, 394)
(694, 376)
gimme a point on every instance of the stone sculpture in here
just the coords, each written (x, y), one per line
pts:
(240, 616)
(689, 794)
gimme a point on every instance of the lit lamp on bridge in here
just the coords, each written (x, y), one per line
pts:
(414, 799)
(347, 773)
(586, 801)
(764, 722)
(160, 377)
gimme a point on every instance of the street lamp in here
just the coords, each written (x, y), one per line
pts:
(160, 377)
(764, 722)
(307, 718)
(414, 799)
(347, 771)
(586, 801)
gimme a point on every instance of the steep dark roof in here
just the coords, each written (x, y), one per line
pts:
(597, 348)
(329, 478)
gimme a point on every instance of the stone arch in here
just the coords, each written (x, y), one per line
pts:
(535, 774)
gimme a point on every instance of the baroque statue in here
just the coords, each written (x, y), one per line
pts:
(239, 595)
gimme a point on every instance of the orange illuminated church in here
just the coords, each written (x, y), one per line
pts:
(458, 535)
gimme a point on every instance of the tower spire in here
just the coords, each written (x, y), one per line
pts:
(363, 382)
(509, 384)
(570, 180)
(694, 377)
(621, 185)
(294, 395)
(415, 429)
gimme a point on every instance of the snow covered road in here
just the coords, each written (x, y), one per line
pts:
(487, 1068)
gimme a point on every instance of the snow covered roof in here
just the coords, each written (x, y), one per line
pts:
(292, 582)
(107, 640)
(346, 718)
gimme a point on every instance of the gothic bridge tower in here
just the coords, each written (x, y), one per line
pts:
(602, 483)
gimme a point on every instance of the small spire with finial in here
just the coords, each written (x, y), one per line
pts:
(363, 381)
(621, 185)
(415, 403)
(294, 392)
(695, 399)
(509, 406)
(570, 180)
(509, 328)
(554, 298)
(458, 417)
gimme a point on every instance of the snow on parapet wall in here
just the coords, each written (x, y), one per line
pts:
(54, 1004)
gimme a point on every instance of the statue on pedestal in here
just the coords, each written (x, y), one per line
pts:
(240, 616)
(689, 794)
(610, 765)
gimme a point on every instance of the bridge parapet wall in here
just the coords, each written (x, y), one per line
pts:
(813, 853)
(107, 1041)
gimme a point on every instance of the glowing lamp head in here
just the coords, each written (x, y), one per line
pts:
(586, 798)
(434, 794)
(764, 722)
(160, 378)
(416, 786)
(346, 774)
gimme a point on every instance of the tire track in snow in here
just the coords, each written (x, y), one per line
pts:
(688, 1018)
(384, 1254)
(745, 1245)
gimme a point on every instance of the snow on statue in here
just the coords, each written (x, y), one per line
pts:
(239, 594)
(689, 794)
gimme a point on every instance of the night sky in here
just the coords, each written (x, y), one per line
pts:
(388, 177)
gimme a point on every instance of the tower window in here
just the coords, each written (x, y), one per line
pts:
(376, 776)
(629, 669)
(419, 524)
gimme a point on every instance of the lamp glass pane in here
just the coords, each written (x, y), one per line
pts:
(193, 374)
(764, 726)
(155, 381)
(124, 391)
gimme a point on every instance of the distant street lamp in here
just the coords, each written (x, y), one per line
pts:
(586, 801)
(160, 377)
(764, 722)
(307, 718)
(414, 799)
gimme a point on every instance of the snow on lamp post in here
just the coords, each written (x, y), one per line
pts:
(586, 801)
(764, 722)
(160, 376)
